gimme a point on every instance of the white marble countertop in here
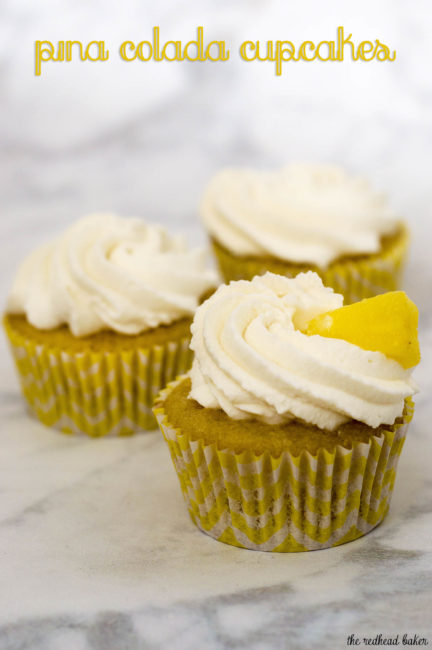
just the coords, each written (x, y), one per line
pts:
(96, 549)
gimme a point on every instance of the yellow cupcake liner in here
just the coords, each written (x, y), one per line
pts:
(290, 503)
(96, 393)
(354, 279)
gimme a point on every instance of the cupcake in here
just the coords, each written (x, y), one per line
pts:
(286, 433)
(304, 218)
(99, 321)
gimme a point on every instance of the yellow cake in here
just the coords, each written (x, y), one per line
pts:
(355, 277)
(284, 437)
(304, 218)
(99, 321)
(61, 338)
(215, 427)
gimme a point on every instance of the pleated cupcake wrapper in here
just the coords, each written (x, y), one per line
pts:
(355, 280)
(290, 503)
(96, 393)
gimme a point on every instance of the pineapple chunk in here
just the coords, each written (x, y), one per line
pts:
(385, 323)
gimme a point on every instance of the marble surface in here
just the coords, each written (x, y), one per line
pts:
(96, 548)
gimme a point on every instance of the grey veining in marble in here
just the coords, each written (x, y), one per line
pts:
(96, 548)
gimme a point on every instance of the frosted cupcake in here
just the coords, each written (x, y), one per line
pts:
(99, 321)
(304, 218)
(286, 433)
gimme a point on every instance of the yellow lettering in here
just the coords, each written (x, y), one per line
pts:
(243, 52)
(341, 45)
(302, 51)
(383, 52)
(69, 45)
(60, 51)
(128, 45)
(177, 51)
(330, 51)
(198, 44)
(100, 49)
(156, 54)
(42, 48)
(222, 55)
(365, 48)
(140, 53)
(269, 52)
(282, 48)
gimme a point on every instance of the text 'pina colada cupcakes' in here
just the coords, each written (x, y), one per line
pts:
(286, 433)
(99, 321)
(301, 218)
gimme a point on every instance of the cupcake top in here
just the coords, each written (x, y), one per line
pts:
(252, 359)
(108, 272)
(300, 213)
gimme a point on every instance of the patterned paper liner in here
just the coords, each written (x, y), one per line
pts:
(96, 393)
(290, 503)
(354, 279)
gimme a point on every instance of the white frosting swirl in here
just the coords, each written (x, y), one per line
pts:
(252, 360)
(108, 272)
(301, 213)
